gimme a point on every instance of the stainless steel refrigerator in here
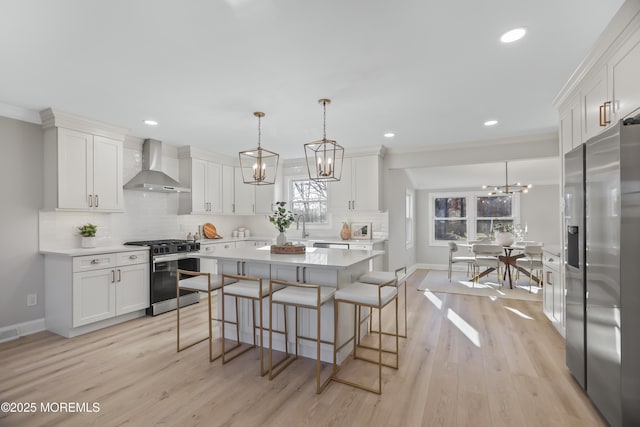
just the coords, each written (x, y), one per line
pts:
(602, 270)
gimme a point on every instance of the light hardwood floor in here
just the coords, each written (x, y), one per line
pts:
(468, 361)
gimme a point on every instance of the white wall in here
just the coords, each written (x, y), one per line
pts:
(396, 183)
(21, 266)
(538, 210)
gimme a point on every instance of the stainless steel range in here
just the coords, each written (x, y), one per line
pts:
(166, 257)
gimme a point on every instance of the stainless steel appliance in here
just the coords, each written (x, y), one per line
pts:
(602, 270)
(167, 256)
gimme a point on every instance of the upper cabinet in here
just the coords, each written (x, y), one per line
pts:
(359, 186)
(205, 180)
(623, 71)
(251, 199)
(83, 164)
(605, 84)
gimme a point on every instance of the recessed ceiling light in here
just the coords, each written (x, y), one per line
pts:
(491, 123)
(151, 123)
(513, 35)
(389, 135)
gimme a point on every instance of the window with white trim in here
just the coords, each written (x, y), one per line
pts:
(409, 219)
(309, 197)
(465, 216)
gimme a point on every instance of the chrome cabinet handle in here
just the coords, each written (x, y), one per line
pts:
(133, 257)
(119, 275)
(90, 200)
(113, 276)
(304, 274)
(97, 201)
(298, 274)
(95, 261)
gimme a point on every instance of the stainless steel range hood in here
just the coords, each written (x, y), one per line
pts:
(151, 177)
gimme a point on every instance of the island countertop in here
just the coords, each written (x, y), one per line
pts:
(317, 257)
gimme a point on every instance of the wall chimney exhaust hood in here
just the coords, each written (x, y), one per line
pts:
(151, 177)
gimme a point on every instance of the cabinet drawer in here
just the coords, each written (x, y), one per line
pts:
(93, 262)
(130, 258)
(211, 248)
(551, 261)
(360, 246)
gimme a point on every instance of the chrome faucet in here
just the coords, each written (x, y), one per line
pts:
(304, 225)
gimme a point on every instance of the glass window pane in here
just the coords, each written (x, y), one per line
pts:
(309, 198)
(451, 230)
(494, 206)
(451, 207)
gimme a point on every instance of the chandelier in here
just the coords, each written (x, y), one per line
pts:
(259, 165)
(507, 188)
(324, 157)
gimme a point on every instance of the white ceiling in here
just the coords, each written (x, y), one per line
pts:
(430, 71)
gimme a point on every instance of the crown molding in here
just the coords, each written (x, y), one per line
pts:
(54, 118)
(19, 113)
(189, 151)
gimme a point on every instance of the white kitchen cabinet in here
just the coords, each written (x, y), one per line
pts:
(596, 107)
(570, 126)
(210, 265)
(623, 78)
(83, 171)
(228, 186)
(359, 187)
(244, 195)
(86, 293)
(205, 179)
(553, 291)
(264, 199)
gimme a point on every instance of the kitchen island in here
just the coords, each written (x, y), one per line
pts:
(320, 266)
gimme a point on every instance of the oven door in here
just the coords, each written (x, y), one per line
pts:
(163, 282)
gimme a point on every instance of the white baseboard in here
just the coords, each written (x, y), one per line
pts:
(20, 329)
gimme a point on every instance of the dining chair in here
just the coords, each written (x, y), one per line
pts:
(532, 261)
(486, 255)
(469, 260)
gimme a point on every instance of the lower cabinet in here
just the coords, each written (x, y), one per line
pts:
(86, 293)
(553, 294)
(210, 265)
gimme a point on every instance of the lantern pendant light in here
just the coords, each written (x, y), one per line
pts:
(259, 166)
(324, 157)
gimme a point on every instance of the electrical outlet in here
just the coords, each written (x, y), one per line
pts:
(32, 299)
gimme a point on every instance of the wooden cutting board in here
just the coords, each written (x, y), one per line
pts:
(210, 232)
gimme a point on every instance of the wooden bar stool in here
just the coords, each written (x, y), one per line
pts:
(372, 296)
(299, 295)
(399, 277)
(200, 282)
(254, 290)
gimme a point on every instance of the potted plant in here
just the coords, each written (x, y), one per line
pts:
(504, 233)
(282, 219)
(88, 233)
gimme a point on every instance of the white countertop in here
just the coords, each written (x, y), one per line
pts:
(93, 251)
(317, 257)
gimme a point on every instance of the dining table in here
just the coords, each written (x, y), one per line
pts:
(511, 254)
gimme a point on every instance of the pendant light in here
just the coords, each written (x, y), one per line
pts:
(497, 190)
(324, 157)
(259, 166)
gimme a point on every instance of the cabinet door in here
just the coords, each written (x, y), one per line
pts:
(107, 174)
(214, 187)
(227, 189)
(132, 288)
(198, 186)
(244, 195)
(340, 199)
(94, 296)
(75, 178)
(623, 78)
(570, 129)
(365, 177)
(547, 295)
(594, 96)
(264, 199)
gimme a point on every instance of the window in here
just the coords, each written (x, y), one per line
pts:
(489, 210)
(451, 220)
(309, 198)
(409, 219)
